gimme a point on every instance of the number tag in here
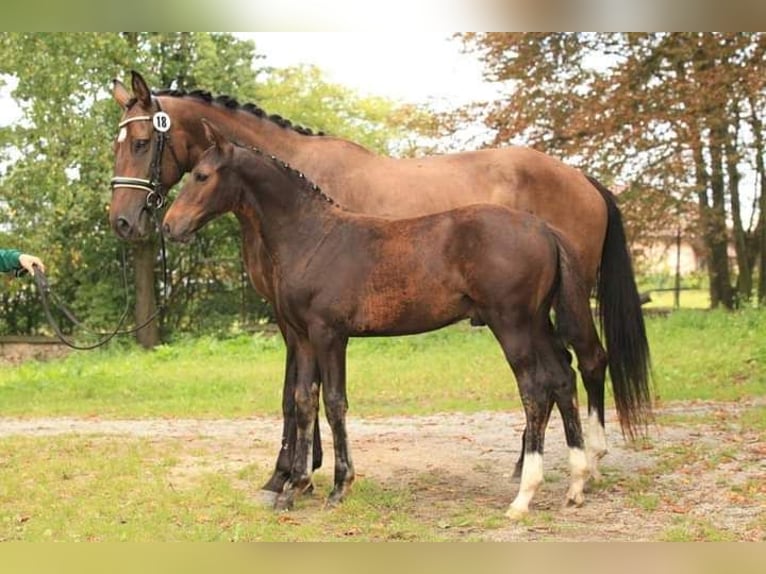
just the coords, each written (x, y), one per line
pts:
(161, 121)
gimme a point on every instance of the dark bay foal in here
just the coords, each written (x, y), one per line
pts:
(337, 274)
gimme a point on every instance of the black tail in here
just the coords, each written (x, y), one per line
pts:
(622, 324)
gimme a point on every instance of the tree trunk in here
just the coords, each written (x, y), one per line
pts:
(705, 212)
(741, 244)
(761, 227)
(715, 232)
(144, 254)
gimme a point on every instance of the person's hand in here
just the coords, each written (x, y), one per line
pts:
(28, 262)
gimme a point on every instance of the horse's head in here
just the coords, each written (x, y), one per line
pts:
(145, 165)
(206, 194)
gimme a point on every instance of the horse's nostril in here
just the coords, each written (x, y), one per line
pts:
(122, 227)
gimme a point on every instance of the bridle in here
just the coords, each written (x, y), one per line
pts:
(155, 192)
(155, 200)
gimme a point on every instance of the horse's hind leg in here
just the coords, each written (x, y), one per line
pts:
(565, 397)
(591, 362)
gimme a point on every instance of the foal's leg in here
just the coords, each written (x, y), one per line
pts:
(565, 397)
(281, 473)
(520, 462)
(306, 408)
(331, 354)
(516, 339)
(537, 407)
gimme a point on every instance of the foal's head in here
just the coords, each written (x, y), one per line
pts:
(209, 191)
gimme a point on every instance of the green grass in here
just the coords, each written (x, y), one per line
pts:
(709, 355)
(71, 487)
(686, 529)
(453, 369)
(688, 299)
(697, 355)
(96, 489)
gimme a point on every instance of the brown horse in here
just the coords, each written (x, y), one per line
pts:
(337, 274)
(148, 162)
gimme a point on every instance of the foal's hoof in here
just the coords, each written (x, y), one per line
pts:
(336, 497)
(266, 498)
(284, 502)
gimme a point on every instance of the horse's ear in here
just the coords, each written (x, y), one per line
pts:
(120, 93)
(141, 89)
(215, 137)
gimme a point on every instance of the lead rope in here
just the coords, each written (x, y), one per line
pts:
(47, 297)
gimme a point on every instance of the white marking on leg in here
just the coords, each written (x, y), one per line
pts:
(578, 466)
(310, 462)
(595, 444)
(531, 478)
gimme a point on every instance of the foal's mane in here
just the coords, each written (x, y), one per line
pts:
(304, 184)
(232, 104)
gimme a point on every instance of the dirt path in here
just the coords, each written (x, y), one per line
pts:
(700, 476)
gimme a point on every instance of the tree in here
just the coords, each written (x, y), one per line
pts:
(58, 163)
(674, 112)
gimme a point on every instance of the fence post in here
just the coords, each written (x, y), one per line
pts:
(677, 293)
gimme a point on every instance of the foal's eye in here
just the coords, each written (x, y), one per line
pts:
(200, 177)
(140, 145)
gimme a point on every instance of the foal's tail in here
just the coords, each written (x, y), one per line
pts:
(575, 321)
(622, 323)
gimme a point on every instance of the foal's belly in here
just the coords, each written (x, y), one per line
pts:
(406, 313)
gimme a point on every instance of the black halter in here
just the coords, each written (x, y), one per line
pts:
(155, 193)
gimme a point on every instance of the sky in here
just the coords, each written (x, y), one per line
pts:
(423, 68)
(412, 67)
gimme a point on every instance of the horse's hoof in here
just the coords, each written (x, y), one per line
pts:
(516, 513)
(575, 500)
(266, 498)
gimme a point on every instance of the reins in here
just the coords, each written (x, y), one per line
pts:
(47, 297)
(155, 199)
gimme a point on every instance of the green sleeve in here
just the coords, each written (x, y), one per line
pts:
(9, 260)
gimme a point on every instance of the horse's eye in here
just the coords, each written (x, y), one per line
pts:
(200, 177)
(140, 145)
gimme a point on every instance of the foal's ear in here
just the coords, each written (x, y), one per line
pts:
(120, 93)
(141, 89)
(215, 137)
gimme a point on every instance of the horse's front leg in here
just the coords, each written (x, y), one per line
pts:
(331, 353)
(306, 397)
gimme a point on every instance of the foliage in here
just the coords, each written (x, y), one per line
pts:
(301, 94)
(674, 116)
(58, 163)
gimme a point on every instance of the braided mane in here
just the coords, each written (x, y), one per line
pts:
(306, 184)
(232, 104)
